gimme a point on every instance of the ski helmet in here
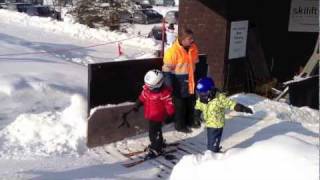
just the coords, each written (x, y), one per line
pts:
(204, 85)
(154, 79)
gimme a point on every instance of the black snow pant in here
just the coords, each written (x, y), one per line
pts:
(155, 135)
(184, 115)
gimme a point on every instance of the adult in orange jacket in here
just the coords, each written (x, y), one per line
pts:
(179, 66)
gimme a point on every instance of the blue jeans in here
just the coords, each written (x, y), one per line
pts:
(214, 138)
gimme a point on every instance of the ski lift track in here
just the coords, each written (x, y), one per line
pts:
(192, 147)
(165, 167)
(102, 156)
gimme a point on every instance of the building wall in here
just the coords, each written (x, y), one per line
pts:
(210, 30)
(283, 51)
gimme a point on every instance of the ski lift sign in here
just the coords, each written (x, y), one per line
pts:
(238, 39)
(304, 16)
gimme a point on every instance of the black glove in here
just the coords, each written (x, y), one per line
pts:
(137, 105)
(197, 115)
(169, 120)
(242, 108)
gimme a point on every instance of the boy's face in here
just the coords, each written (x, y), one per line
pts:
(205, 97)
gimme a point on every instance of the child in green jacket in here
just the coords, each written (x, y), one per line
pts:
(212, 105)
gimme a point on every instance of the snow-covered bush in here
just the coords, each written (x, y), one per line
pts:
(99, 13)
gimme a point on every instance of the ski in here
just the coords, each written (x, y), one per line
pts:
(128, 155)
(172, 144)
(166, 155)
(184, 150)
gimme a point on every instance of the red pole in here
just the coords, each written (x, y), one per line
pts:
(163, 36)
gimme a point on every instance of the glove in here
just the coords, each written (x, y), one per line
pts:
(242, 108)
(135, 109)
(197, 115)
(247, 110)
(169, 119)
(137, 105)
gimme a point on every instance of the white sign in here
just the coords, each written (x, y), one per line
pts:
(238, 39)
(304, 16)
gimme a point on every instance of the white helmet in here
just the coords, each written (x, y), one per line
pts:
(154, 79)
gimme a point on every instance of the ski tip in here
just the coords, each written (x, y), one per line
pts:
(170, 157)
(128, 165)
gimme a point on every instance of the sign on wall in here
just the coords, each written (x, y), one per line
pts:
(238, 39)
(304, 16)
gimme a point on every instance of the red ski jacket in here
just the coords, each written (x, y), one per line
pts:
(157, 105)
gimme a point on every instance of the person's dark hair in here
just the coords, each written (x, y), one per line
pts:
(185, 32)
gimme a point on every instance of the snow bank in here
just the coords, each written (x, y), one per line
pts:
(47, 133)
(281, 157)
(9, 85)
(278, 110)
(163, 9)
(285, 153)
(75, 30)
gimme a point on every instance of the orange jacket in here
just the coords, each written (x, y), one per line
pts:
(178, 61)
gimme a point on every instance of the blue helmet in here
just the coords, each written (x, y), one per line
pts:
(204, 85)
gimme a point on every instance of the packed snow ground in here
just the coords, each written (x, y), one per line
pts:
(68, 41)
(277, 142)
(43, 123)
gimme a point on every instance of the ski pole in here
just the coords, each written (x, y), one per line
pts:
(124, 119)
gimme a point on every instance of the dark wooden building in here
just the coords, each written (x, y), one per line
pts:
(272, 51)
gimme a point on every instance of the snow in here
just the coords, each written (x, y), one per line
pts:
(280, 157)
(163, 10)
(99, 40)
(93, 110)
(43, 124)
(47, 133)
(296, 79)
(282, 139)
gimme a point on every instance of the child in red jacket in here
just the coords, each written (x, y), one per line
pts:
(158, 105)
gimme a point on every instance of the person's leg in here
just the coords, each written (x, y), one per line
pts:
(190, 103)
(159, 137)
(152, 134)
(180, 112)
(210, 138)
(214, 138)
(156, 139)
(161, 140)
(218, 135)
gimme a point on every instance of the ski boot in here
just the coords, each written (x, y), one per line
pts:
(218, 150)
(152, 153)
(164, 144)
